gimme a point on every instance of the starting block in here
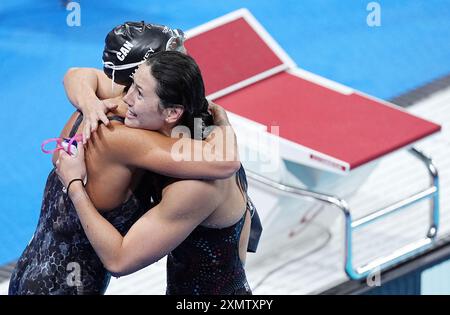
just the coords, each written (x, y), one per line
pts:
(303, 133)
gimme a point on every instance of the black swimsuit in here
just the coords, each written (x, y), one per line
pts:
(208, 262)
(59, 259)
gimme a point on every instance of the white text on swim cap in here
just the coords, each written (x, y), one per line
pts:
(124, 50)
(150, 51)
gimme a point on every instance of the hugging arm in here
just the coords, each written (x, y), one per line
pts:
(89, 89)
(215, 158)
(154, 235)
(175, 157)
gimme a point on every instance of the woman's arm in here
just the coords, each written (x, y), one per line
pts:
(85, 89)
(154, 235)
(215, 158)
(175, 157)
(85, 84)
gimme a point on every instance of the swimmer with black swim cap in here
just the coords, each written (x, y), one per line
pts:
(59, 245)
(128, 45)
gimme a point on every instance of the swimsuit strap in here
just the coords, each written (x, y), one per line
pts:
(80, 119)
(117, 118)
(76, 125)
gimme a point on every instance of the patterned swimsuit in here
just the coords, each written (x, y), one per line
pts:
(208, 262)
(59, 259)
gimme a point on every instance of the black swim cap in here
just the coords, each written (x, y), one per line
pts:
(131, 43)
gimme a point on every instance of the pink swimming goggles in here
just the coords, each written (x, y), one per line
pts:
(67, 144)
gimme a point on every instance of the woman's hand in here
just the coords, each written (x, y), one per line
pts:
(219, 114)
(70, 167)
(93, 112)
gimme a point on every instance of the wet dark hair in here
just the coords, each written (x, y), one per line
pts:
(179, 82)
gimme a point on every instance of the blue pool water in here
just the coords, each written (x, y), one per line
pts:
(327, 37)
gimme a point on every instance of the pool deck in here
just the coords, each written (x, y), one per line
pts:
(318, 267)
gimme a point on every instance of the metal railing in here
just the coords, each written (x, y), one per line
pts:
(351, 225)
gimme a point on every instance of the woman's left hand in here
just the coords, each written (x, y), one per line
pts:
(219, 114)
(70, 167)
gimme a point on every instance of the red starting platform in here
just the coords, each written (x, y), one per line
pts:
(304, 134)
(321, 123)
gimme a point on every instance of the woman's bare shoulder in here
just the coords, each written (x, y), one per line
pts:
(122, 143)
(118, 132)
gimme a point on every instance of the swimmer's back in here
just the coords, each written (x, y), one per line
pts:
(109, 183)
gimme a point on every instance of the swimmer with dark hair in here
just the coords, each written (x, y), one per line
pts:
(202, 226)
(121, 162)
